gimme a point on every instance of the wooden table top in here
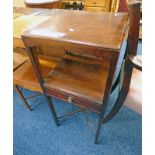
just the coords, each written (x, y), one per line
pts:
(100, 30)
(19, 11)
(26, 22)
(24, 19)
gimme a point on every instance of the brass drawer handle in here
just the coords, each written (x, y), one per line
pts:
(70, 99)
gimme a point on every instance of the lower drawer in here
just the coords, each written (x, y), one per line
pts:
(73, 99)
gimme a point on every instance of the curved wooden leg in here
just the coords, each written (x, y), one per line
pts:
(52, 109)
(122, 94)
(119, 102)
(22, 97)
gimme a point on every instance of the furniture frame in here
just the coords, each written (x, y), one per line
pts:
(32, 44)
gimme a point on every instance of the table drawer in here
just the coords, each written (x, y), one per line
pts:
(95, 3)
(73, 99)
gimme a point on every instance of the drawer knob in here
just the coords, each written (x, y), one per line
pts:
(70, 99)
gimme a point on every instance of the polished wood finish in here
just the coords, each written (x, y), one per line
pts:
(22, 23)
(66, 26)
(26, 22)
(84, 76)
(95, 48)
(48, 4)
(80, 79)
(105, 31)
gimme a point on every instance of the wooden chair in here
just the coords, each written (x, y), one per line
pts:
(131, 56)
(48, 4)
(83, 81)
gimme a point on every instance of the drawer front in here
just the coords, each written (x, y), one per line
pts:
(95, 3)
(73, 99)
(95, 9)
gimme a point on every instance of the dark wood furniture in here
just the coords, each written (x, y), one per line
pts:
(48, 4)
(90, 49)
(84, 76)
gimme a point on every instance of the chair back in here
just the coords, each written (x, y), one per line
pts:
(132, 42)
(129, 47)
(134, 21)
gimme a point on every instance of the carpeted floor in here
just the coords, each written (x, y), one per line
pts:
(35, 133)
